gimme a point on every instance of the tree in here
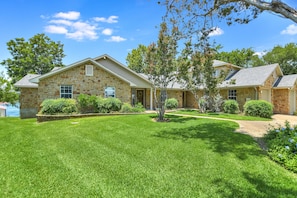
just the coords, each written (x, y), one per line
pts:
(240, 11)
(160, 66)
(245, 57)
(135, 59)
(285, 56)
(7, 92)
(38, 55)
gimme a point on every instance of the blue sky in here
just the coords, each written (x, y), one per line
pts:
(89, 28)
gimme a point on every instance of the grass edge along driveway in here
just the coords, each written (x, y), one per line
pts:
(132, 156)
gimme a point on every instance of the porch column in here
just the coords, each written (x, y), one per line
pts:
(151, 99)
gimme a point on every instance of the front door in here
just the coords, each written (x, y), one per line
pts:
(140, 96)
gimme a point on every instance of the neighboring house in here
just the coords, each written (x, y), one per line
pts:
(106, 77)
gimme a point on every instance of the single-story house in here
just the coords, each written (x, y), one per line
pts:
(105, 76)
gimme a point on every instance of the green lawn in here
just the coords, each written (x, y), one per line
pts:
(132, 156)
(221, 115)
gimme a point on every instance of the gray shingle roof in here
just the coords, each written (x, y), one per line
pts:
(24, 82)
(255, 76)
(287, 81)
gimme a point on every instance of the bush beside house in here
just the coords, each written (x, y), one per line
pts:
(260, 108)
(231, 106)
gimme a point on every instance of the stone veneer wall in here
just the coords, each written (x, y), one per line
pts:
(242, 94)
(49, 88)
(28, 102)
(280, 101)
(177, 94)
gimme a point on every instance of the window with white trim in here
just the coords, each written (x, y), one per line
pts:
(89, 70)
(109, 92)
(232, 94)
(66, 91)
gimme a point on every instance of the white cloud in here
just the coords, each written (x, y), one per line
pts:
(71, 15)
(70, 24)
(107, 31)
(82, 30)
(216, 31)
(111, 19)
(115, 39)
(291, 30)
(56, 29)
(61, 22)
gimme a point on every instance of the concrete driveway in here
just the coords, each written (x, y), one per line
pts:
(259, 128)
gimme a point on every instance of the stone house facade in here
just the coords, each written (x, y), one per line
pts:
(106, 77)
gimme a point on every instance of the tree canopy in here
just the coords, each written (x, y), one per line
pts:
(135, 59)
(7, 92)
(38, 55)
(285, 56)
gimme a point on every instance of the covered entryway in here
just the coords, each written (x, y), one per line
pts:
(140, 96)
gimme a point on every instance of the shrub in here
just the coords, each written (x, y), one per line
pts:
(61, 105)
(171, 103)
(231, 106)
(87, 103)
(107, 105)
(203, 103)
(282, 145)
(127, 108)
(260, 108)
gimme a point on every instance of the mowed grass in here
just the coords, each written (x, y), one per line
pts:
(132, 156)
(220, 115)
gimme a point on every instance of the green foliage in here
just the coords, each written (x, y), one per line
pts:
(231, 106)
(107, 105)
(171, 103)
(127, 108)
(282, 145)
(259, 108)
(38, 55)
(94, 104)
(57, 106)
(7, 92)
(136, 58)
(244, 57)
(285, 56)
(87, 103)
(160, 65)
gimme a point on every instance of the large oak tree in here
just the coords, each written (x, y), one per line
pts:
(38, 55)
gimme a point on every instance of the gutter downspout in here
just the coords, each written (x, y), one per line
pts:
(256, 91)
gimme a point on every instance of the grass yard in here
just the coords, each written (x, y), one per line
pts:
(221, 115)
(132, 156)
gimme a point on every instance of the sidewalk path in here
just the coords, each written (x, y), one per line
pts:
(256, 129)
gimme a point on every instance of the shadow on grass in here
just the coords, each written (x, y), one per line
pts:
(219, 136)
(175, 119)
(258, 187)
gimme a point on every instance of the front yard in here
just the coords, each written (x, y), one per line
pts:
(132, 156)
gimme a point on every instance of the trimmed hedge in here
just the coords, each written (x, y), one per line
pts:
(260, 108)
(231, 106)
(56, 106)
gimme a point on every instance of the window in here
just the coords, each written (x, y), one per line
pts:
(109, 92)
(232, 95)
(89, 70)
(66, 91)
